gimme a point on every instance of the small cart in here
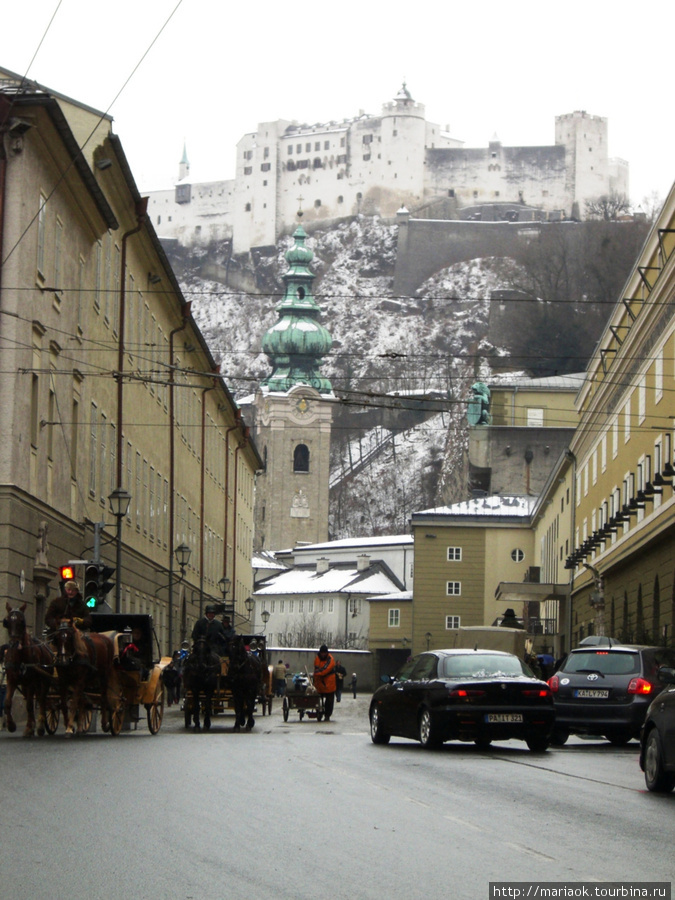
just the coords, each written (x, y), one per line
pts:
(302, 695)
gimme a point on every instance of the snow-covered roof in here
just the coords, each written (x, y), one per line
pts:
(570, 382)
(382, 540)
(517, 506)
(306, 580)
(267, 560)
(398, 597)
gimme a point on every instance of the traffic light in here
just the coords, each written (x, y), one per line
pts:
(96, 584)
(91, 585)
(66, 573)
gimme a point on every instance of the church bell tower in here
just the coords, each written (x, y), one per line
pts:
(293, 412)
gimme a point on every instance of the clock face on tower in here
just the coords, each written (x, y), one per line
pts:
(303, 407)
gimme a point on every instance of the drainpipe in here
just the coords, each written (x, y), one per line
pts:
(172, 460)
(572, 457)
(201, 494)
(245, 437)
(237, 424)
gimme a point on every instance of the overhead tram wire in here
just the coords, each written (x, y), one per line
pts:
(92, 133)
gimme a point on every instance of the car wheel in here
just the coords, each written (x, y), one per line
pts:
(377, 735)
(427, 731)
(538, 743)
(655, 778)
(483, 743)
(619, 738)
(559, 737)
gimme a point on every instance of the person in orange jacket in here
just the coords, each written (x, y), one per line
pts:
(324, 679)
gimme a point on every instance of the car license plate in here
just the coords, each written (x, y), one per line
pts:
(588, 694)
(503, 717)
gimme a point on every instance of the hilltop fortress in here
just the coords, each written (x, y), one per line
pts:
(375, 165)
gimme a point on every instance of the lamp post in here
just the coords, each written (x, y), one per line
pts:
(265, 616)
(249, 603)
(119, 501)
(224, 585)
(182, 554)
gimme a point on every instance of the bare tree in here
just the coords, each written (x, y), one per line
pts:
(607, 206)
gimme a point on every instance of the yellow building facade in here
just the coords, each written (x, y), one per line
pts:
(107, 384)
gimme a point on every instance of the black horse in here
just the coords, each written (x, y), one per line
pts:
(200, 679)
(28, 665)
(244, 675)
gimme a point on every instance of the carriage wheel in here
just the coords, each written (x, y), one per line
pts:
(156, 709)
(117, 718)
(84, 719)
(285, 709)
(52, 717)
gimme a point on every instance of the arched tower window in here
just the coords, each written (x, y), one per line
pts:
(301, 458)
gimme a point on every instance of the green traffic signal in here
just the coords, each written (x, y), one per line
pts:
(91, 585)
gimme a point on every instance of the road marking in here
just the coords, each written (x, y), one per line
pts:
(464, 823)
(524, 849)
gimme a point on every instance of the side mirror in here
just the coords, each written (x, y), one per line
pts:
(386, 679)
(666, 675)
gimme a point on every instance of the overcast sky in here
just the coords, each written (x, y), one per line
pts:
(219, 68)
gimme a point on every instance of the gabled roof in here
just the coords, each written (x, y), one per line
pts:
(337, 579)
(494, 506)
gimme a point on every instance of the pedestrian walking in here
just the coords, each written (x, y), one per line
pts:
(352, 684)
(340, 673)
(279, 675)
(324, 678)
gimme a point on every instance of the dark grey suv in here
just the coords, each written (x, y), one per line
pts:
(605, 690)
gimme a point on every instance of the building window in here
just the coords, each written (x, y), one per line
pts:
(453, 588)
(290, 149)
(41, 227)
(535, 417)
(247, 208)
(452, 622)
(658, 376)
(341, 199)
(394, 618)
(454, 554)
(265, 167)
(326, 145)
(248, 170)
(301, 458)
(308, 148)
(317, 204)
(517, 555)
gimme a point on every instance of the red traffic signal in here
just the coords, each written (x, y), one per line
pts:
(67, 573)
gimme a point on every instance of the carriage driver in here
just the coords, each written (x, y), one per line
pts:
(209, 628)
(69, 605)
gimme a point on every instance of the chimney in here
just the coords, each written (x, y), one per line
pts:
(321, 565)
(362, 562)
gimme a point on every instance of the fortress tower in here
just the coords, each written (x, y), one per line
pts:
(293, 415)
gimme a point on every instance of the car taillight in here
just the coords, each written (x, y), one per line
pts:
(640, 686)
(538, 692)
(465, 694)
(554, 683)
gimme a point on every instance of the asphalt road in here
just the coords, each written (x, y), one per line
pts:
(304, 810)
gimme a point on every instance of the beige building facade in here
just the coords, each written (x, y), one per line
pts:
(107, 384)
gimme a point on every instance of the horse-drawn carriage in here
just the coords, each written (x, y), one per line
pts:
(75, 674)
(241, 682)
(301, 694)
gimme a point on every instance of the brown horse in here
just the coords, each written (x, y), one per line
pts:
(28, 664)
(245, 677)
(84, 664)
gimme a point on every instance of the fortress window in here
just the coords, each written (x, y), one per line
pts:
(308, 148)
(290, 149)
(317, 204)
(264, 167)
(394, 133)
(367, 139)
(317, 146)
(248, 154)
(248, 170)
(343, 142)
(326, 145)
(359, 196)
(303, 164)
(266, 153)
(451, 192)
(317, 164)
(366, 157)
(301, 458)
(247, 208)
(298, 149)
(341, 199)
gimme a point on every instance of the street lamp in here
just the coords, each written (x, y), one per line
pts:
(182, 554)
(119, 501)
(265, 616)
(224, 585)
(428, 637)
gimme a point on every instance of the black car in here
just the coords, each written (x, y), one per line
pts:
(657, 740)
(605, 690)
(466, 695)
